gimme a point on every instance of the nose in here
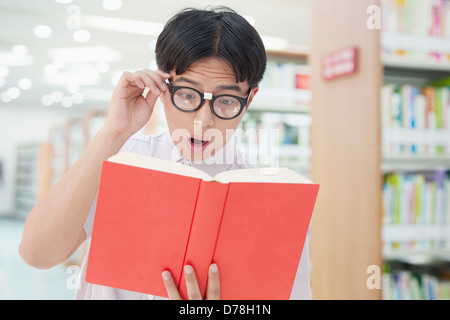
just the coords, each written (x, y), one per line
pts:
(204, 115)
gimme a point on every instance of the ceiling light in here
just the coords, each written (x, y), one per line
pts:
(4, 71)
(78, 98)
(82, 78)
(60, 63)
(42, 31)
(14, 92)
(8, 58)
(25, 83)
(102, 67)
(85, 54)
(81, 36)
(112, 4)
(47, 100)
(56, 96)
(67, 102)
(146, 28)
(5, 97)
(20, 50)
(73, 87)
(51, 70)
(97, 94)
(275, 43)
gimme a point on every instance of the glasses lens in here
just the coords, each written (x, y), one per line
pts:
(186, 99)
(227, 107)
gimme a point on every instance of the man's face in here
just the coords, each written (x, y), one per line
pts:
(200, 134)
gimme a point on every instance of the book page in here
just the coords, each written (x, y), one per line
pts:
(146, 162)
(275, 175)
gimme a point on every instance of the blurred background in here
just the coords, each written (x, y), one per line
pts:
(60, 60)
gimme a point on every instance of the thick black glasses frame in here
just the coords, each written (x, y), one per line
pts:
(243, 101)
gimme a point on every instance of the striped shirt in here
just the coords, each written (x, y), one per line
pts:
(161, 146)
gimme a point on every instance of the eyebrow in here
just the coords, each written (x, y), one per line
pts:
(233, 87)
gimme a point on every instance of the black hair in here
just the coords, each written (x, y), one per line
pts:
(194, 34)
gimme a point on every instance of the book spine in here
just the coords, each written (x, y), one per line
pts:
(204, 230)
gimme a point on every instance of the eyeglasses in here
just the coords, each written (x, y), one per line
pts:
(223, 106)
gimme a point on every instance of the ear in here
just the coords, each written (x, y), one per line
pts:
(252, 95)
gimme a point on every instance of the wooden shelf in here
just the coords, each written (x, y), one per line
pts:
(409, 65)
(396, 163)
(418, 257)
(301, 109)
(293, 53)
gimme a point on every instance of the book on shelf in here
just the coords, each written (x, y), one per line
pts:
(276, 139)
(407, 285)
(416, 121)
(417, 199)
(154, 215)
(286, 84)
(417, 18)
(422, 17)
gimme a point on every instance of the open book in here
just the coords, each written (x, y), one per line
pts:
(154, 215)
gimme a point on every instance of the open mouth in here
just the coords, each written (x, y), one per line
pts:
(198, 144)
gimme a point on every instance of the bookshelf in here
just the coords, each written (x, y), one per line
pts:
(278, 121)
(416, 153)
(381, 157)
(32, 176)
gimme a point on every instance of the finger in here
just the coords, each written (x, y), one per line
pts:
(129, 78)
(164, 74)
(193, 291)
(149, 82)
(171, 287)
(158, 79)
(213, 287)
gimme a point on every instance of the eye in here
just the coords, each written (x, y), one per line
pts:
(188, 96)
(227, 102)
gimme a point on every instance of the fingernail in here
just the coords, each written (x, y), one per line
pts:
(188, 270)
(214, 268)
(142, 85)
(166, 275)
(157, 91)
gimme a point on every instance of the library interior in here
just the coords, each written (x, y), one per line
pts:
(355, 92)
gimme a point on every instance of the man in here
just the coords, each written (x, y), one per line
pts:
(210, 64)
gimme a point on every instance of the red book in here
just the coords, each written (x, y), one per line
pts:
(154, 215)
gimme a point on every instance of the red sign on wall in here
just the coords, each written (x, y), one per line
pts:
(340, 63)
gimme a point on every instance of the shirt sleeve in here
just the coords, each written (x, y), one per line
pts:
(301, 289)
(89, 222)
